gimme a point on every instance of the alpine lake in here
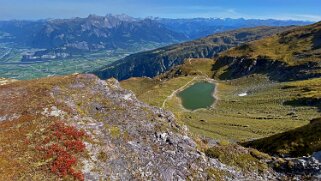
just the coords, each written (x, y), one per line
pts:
(197, 96)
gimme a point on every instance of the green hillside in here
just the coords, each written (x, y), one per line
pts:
(291, 55)
(294, 47)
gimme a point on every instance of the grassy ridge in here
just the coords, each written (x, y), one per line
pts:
(296, 46)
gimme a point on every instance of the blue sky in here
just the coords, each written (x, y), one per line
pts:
(261, 9)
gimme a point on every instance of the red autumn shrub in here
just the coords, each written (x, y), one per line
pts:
(75, 145)
(62, 130)
(63, 163)
(67, 140)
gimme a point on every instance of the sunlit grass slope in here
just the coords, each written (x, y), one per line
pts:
(266, 110)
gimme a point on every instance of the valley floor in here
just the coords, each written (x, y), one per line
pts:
(11, 65)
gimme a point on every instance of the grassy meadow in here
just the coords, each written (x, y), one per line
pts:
(263, 112)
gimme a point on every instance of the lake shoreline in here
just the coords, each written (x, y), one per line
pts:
(214, 94)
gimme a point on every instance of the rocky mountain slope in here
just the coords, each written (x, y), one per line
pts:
(80, 127)
(154, 62)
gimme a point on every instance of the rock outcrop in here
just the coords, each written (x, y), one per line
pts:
(301, 168)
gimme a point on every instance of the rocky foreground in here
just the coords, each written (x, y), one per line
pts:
(80, 127)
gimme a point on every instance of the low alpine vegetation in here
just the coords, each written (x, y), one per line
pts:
(60, 148)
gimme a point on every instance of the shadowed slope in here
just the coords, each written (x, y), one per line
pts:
(298, 142)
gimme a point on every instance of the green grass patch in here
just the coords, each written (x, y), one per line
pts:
(235, 156)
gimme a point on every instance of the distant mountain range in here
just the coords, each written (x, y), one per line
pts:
(201, 27)
(62, 38)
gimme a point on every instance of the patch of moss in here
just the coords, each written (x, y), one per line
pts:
(259, 155)
(234, 156)
(115, 132)
(224, 142)
(216, 174)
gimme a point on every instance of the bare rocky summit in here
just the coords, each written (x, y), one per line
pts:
(125, 139)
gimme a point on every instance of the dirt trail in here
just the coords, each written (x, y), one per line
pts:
(175, 91)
